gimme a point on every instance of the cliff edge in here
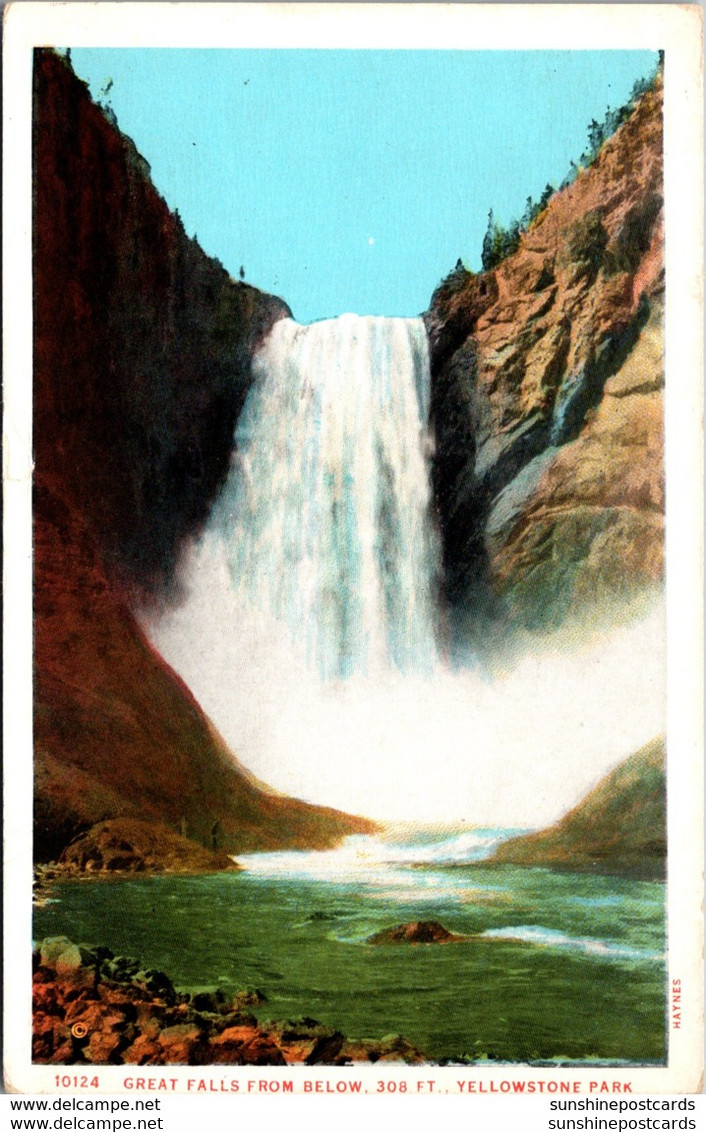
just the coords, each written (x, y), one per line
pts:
(142, 349)
(547, 401)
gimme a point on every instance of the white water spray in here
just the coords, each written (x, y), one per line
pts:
(320, 558)
(326, 513)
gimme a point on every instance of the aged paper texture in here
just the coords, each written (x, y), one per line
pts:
(353, 484)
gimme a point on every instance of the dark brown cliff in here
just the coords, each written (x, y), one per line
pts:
(117, 734)
(141, 365)
(547, 402)
(142, 342)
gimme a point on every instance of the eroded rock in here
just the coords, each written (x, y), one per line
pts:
(547, 403)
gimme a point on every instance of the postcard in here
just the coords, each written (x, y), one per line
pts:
(354, 574)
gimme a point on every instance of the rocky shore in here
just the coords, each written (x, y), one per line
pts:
(92, 1007)
(123, 846)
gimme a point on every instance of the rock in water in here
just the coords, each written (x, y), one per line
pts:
(420, 931)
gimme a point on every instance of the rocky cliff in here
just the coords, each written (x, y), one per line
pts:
(548, 474)
(141, 365)
(142, 343)
(548, 405)
(118, 735)
(620, 827)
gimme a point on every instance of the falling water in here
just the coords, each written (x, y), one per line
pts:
(326, 515)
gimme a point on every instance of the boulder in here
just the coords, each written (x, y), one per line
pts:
(248, 998)
(69, 961)
(419, 931)
(51, 948)
(184, 1045)
(145, 1050)
(393, 1047)
(246, 1045)
(211, 1002)
(156, 982)
(307, 1041)
(262, 1050)
(104, 1047)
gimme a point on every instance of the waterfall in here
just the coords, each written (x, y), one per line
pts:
(326, 515)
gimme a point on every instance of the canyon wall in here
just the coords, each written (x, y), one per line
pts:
(142, 342)
(141, 366)
(548, 404)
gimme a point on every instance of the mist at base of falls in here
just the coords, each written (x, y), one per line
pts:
(515, 749)
(308, 625)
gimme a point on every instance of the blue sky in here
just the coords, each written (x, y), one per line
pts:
(354, 180)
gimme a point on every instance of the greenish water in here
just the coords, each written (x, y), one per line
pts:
(563, 966)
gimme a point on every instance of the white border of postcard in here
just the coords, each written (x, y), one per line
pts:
(678, 30)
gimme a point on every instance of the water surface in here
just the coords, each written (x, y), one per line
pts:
(558, 966)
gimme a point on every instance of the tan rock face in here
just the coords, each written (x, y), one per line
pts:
(592, 528)
(419, 931)
(548, 409)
